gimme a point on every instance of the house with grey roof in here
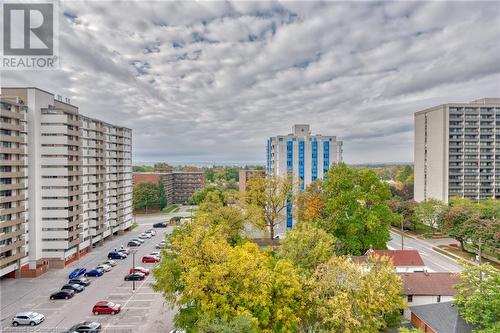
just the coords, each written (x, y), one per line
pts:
(439, 318)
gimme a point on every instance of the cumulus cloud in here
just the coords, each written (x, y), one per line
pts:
(210, 81)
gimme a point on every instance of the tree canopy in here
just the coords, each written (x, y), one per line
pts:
(356, 207)
(478, 296)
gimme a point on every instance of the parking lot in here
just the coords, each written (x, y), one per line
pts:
(142, 310)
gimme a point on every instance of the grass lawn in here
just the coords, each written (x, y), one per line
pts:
(467, 255)
(171, 209)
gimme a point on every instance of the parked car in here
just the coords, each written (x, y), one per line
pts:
(86, 326)
(75, 287)
(160, 246)
(83, 281)
(139, 269)
(104, 267)
(144, 236)
(95, 272)
(77, 272)
(126, 251)
(111, 263)
(177, 331)
(149, 258)
(151, 231)
(137, 276)
(155, 253)
(148, 233)
(116, 255)
(28, 318)
(106, 307)
(133, 243)
(160, 225)
(62, 294)
(137, 239)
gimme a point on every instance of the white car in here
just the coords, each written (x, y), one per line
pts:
(104, 267)
(145, 236)
(138, 240)
(28, 318)
(156, 253)
(151, 231)
(110, 262)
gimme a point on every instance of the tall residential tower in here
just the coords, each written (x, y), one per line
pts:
(457, 151)
(68, 177)
(303, 156)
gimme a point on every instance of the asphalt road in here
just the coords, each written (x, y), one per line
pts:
(142, 311)
(435, 261)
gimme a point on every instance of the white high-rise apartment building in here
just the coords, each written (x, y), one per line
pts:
(78, 180)
(303, 156)
(13, 185)
(457, 151)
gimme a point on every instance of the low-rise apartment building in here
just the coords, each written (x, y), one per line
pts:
(179, 185)
(70, 161)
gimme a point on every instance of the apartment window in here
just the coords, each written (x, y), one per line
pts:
(410, 298)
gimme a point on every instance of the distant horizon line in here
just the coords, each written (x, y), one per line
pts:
(246, 163)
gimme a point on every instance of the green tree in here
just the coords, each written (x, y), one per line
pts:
(268, 197)
(162, 195)
(145, 196)
(200, 194)
(307, 246)
(430, 212)
(406, 210)
(454, 223)
(229, 221)
(478, 296)
(357, 210)
(211, 202)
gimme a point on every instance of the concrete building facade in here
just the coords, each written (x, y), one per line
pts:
(303, 156)
(13, 182)
(68, 163)
(457, 151)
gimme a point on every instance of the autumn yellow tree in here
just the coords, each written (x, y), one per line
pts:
(307, 247)
(344, 297)
(311, 202)
(218, 282)
(267, 198)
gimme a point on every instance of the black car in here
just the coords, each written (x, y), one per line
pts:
(86, 326)
(63, 294)
(160, 225)
(134, 276)
(116, 255)
(82, 281)
(133, 243)
(75, 287)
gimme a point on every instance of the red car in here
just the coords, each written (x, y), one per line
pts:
(106, 307)
(152, 259)
(142, 270)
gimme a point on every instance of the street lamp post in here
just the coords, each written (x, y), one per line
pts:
(133, 270)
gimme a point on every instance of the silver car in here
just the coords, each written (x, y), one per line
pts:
(28, 318)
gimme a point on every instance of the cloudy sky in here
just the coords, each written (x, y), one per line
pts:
(210, 81)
